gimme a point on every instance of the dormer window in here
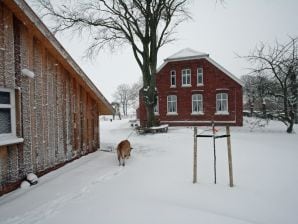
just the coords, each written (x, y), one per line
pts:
(186, 77)
(173, 78)
(199, 76)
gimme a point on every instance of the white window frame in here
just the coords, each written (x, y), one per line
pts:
(156, 107)
(200, 73)
(199, 100)
(172, 99)
(187, 74)
(220, 99)
(173, 75)
(10, 138)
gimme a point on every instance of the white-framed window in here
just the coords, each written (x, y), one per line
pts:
(172, 104)
(186, 77)
(222, 103)
(7, 114)
(173, 78)
(200, 76)
(197, 104)
(156, 107)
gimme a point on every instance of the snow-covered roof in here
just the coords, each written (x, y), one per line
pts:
(190, 54)
(186, 54)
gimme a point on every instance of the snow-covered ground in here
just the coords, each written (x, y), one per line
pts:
(156, 186)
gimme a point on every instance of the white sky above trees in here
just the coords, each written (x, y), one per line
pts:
(222, 31)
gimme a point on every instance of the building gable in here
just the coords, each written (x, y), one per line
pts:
(189, 54)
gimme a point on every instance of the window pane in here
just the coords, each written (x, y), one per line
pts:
(172, 103)
(4, 98)
(224, 105)
(5, 121)
(173, 80)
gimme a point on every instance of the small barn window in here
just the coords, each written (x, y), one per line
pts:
(222, 103)
(7, 113)
(173, 78)
(186, 77)
(197, 104)
(199, 76)
(172, 104)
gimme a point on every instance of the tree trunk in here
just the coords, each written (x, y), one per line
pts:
(290, 127)
(291, 121)
(151, 121)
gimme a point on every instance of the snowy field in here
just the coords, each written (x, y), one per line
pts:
(156, 186)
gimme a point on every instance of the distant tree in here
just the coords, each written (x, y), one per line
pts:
(134, 94)
(122, 95)
(145, 25)
(128, 96)
(116, 111)
(257, 91)
(280, 64)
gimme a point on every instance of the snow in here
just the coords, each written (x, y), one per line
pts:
(156, 186)
(25, 184)
(186, 53)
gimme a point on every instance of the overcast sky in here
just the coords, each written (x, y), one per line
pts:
(220, 30)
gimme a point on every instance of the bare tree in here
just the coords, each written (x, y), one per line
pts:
(127, 96)
(279, 63)
(134, 94)
(146, 25)
(122, 95)
(257, 90)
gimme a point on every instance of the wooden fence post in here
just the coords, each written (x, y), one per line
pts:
(195, 156)
(229, 156)
(214, 151)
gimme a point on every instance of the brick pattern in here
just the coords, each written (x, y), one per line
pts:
(214, 81)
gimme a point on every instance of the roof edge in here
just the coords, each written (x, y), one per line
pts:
(236, 79)
(43, 29)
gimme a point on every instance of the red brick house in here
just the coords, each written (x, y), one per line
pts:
(193, 89)
(49, 108)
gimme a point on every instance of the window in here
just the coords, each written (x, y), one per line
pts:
(172, 104)
(199, 76)
(173, 78)
(197, 104)
(7, 113)
(156, 107)
(186, 80)
(222, 103)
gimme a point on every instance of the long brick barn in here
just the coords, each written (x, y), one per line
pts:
(49, 108)
(193, 89)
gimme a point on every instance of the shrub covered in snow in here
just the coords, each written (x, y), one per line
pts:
(25, 184)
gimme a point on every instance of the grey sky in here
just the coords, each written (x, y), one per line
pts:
(220, 30)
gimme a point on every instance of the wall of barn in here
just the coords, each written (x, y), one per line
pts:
(55, 114)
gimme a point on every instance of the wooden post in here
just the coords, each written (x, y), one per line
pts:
(229, 156)
(195, 156)
(214, 151)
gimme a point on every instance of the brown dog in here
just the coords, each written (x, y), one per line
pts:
(123, 151)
